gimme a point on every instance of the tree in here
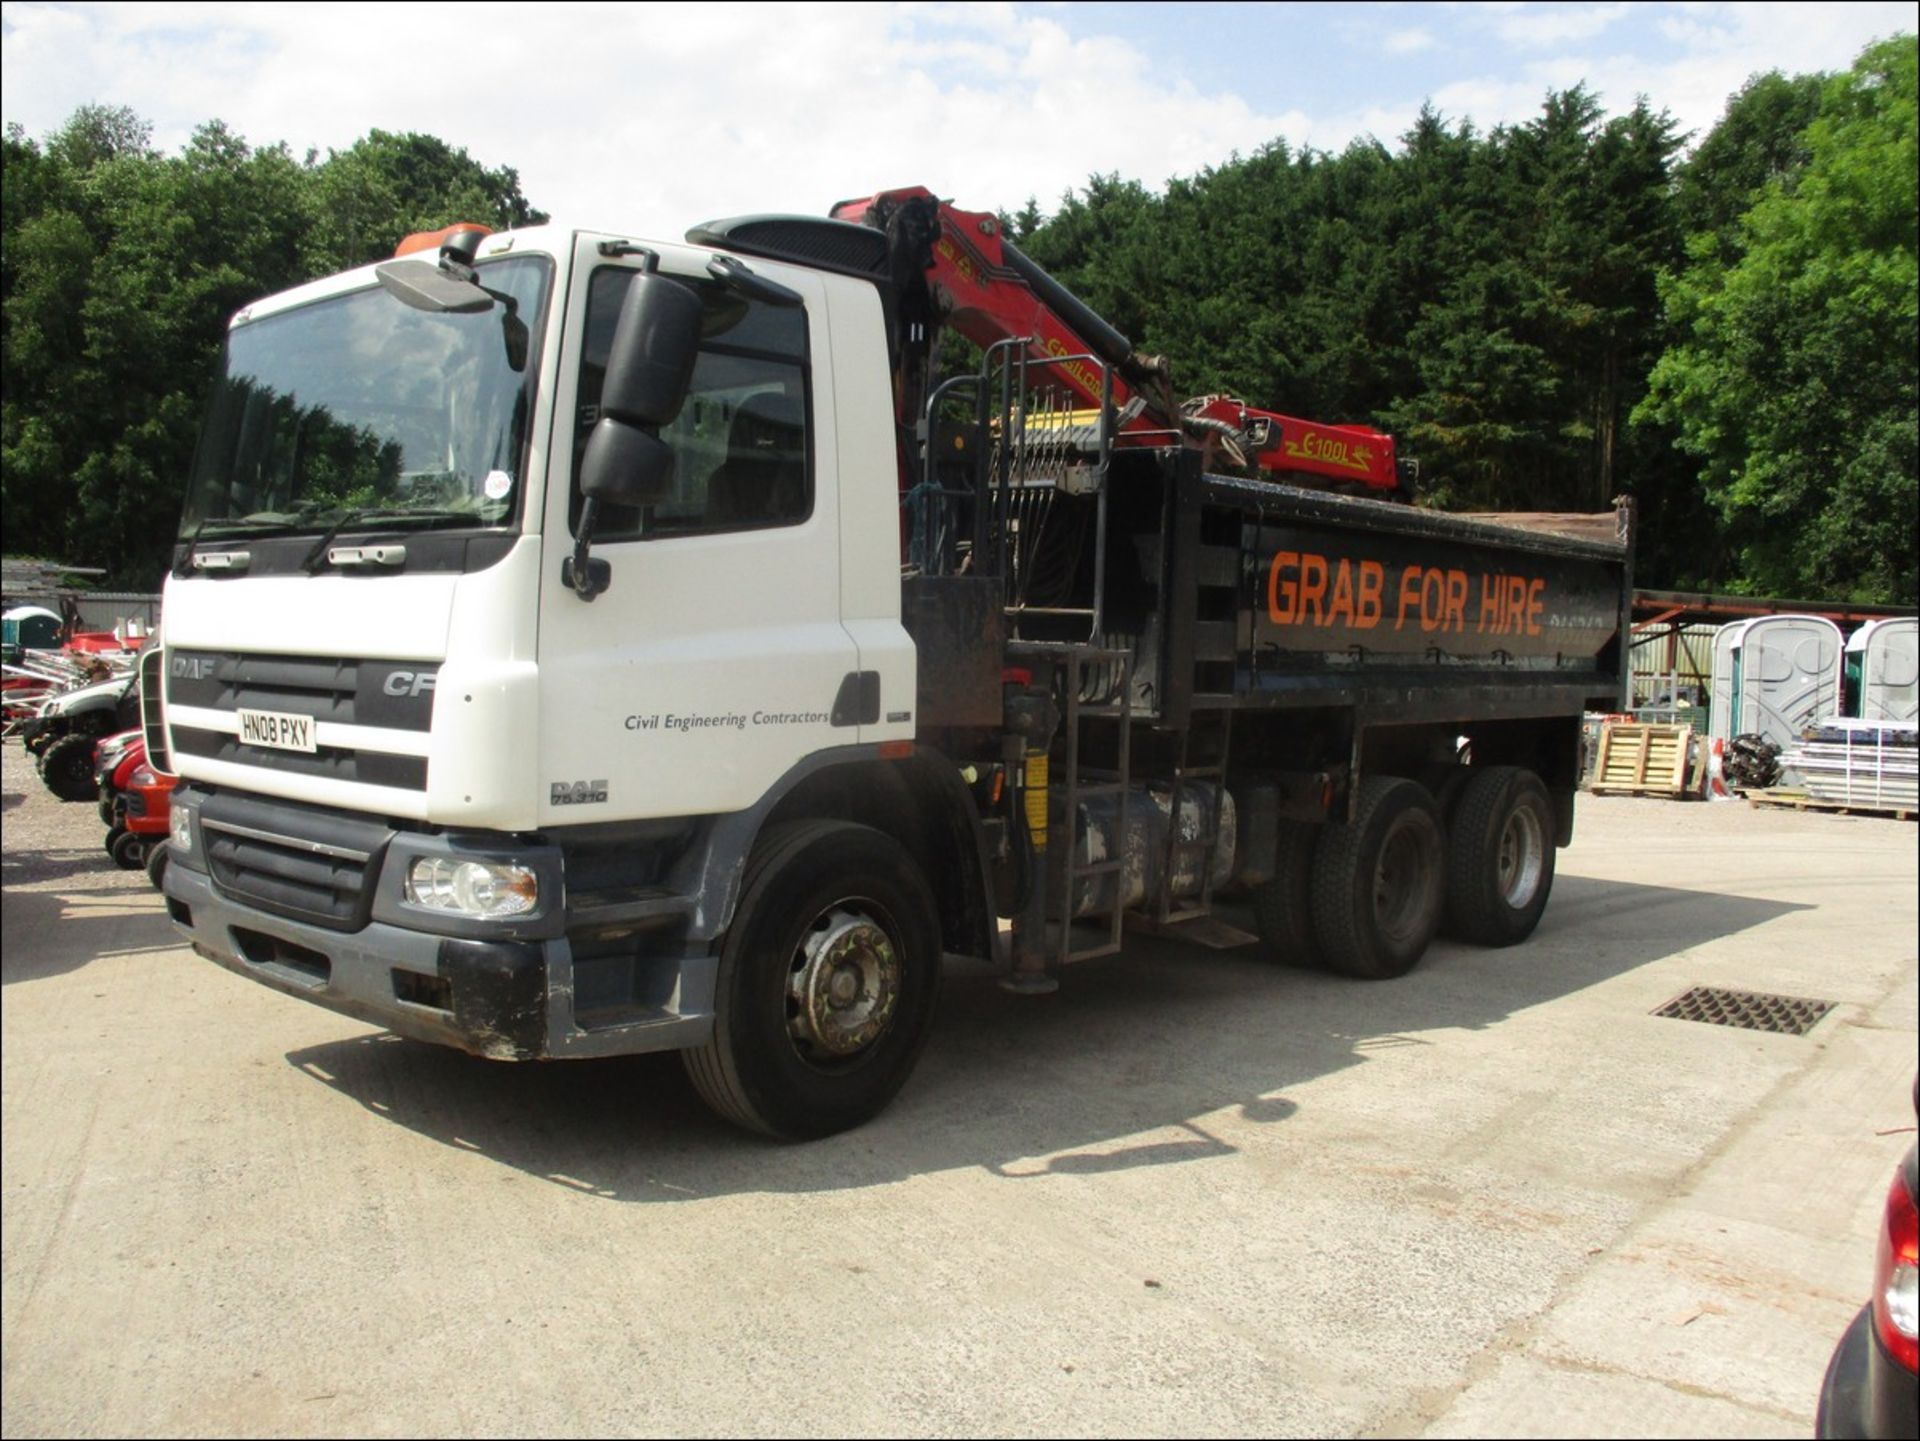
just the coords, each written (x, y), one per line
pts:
(1793, 378)
(385, 186)
(1761, 139)
(119, 269)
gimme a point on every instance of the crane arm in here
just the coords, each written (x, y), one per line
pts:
(955, 267)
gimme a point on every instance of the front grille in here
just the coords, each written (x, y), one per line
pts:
(339, 763)
(384, 694)
(295, 861)
(391, 694)
(152, 687)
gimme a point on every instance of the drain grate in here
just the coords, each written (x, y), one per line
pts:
(1749, 1010)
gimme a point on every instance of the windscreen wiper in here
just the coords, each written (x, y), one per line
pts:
(218, 527)
(316, 559)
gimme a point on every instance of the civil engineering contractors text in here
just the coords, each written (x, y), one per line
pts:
(729, 720)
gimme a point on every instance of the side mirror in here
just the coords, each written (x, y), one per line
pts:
(427, 287)
(625, 465)
(650, 361)
(649, 369)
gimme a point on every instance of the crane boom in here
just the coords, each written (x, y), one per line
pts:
(955, 267)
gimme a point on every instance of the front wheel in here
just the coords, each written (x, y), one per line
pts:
(827, 983)
(1283, 905)
(1377, 881)
(1500, 857)
(129, 851)
(67, 768)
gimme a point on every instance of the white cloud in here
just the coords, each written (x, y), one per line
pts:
(660, 116)
(1538, 26)
(655, 116)
(1715, 50)
(1706, 53)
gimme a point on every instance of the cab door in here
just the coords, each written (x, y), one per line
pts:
(713, 661)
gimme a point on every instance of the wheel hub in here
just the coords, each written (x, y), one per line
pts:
(1399, 885)
(845, 983)
(1522, 858)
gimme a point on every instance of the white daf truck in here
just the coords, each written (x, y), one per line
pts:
(579, 645)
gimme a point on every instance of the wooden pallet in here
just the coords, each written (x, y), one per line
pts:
(1786, 799)
(1643, 760)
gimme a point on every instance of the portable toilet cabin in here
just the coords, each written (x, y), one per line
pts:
(1774, 676)
(1883, 671)
(1721, 688)
(28, 627)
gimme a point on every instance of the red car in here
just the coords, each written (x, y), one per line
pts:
(1872, 1381)
(135, 802)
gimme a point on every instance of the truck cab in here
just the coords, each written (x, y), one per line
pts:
(376, 672)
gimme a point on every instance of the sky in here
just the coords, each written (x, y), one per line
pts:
(657, 117)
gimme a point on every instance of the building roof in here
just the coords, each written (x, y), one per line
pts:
(1683, 607)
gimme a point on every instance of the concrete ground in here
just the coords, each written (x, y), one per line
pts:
(1191, 1193)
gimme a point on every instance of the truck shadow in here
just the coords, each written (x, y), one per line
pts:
(1131, 1064)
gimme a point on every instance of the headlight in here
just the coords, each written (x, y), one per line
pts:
(180, 830)
(473, 888)
(141, 777)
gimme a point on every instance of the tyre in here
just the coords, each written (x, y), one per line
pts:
(1443, 783)
(157, 865)
(827, 983)
(1377, 881)
(1500, 857)
(67, 768)
(1283, 906)
(112, 838)
(130, 851)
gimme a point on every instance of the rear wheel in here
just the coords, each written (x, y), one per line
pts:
(1283, 906)
(827, 983)
(1377, 881)
(67, 768)
(1500, 857)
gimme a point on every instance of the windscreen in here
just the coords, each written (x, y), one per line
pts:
(359, 407)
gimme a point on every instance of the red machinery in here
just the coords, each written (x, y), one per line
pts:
(954, 266)
(135, 803)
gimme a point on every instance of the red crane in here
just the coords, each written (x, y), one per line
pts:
(955, 267)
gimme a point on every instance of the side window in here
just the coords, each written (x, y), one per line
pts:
(742, 459)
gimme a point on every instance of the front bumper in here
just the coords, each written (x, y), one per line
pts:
(489, 998)
(506, 998)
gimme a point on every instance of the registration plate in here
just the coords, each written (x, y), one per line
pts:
(281, 732)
